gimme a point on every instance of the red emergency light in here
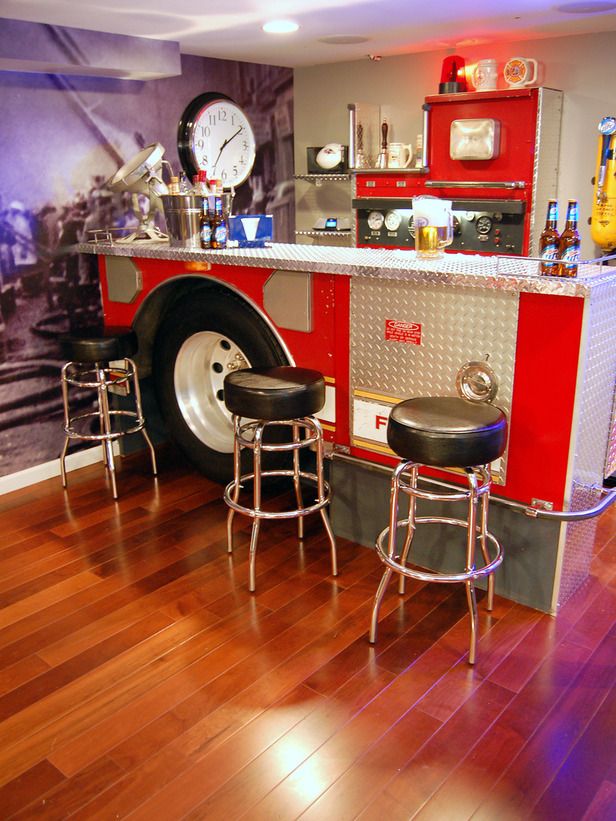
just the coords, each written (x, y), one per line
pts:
(453, 75)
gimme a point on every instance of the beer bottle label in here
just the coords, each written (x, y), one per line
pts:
(550, 251)
(569, 259)
(571, 255)
(206, 235)
(220, 234)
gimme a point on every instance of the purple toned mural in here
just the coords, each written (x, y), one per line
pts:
(62, 137)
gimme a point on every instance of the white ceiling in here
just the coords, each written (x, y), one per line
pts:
(232, 28)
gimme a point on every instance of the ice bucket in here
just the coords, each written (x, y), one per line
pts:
(183, 218)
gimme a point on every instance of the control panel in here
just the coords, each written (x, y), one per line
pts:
(487, 226)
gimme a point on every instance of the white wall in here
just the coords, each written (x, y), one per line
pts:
(583, 67)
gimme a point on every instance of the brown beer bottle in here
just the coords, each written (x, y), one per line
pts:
(569, 246)
(549, 241)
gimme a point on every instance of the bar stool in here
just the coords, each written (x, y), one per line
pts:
(273, 397)
(89, 353)
(443, 431)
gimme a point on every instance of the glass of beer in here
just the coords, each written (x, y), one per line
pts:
(433, 222)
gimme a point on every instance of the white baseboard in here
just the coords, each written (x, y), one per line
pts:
(47, 470)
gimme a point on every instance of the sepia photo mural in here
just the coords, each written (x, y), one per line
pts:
(61, 138)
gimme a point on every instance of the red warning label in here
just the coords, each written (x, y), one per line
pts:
(400, 331)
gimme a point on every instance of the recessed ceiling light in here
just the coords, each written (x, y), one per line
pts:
(586, 8)
(343, 39)
(280, 27)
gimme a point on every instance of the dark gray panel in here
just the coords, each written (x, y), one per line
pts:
(360, 510)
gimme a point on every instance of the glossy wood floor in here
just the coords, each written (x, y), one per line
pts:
(140, 679)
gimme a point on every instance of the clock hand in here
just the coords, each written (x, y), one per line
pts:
(225, 144)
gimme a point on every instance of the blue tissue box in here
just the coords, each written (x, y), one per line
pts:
(250, 230)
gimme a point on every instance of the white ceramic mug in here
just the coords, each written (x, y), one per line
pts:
(399, 155)
(330, 156)
(520, 71)
(485, 75)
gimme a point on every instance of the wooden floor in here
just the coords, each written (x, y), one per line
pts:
(139, 678)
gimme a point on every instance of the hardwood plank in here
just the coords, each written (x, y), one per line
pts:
(60, 801)
(21, 672)
(28, 787)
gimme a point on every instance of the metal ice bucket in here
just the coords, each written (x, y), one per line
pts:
(183, 218)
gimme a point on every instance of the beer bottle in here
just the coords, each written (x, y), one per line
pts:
(219, 226)
(549, 241)
(205, 227)
(569, 246)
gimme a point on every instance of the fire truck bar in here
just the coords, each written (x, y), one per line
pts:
(383, 326)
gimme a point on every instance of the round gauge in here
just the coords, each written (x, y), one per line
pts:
(457, 228)
(392, 220)
(375, 220)
(477, 382)
(484, 225)
(412, 226)
(215, 136)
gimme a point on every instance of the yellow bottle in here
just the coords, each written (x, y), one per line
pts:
(603, 218)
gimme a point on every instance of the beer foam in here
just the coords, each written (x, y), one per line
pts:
(431, 209)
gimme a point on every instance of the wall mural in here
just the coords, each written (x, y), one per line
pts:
(62, 138)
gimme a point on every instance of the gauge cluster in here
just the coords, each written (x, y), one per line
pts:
(490, 227)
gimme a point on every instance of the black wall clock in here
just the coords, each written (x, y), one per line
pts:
(215, 136)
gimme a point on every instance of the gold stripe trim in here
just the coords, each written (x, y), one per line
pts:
(330, 380)
(368, 445)
(331, 428)
(380, 397)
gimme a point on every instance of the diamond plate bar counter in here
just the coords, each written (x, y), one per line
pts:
(499, 272)
(382, 327)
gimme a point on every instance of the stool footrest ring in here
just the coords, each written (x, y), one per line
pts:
(433, 576)
(282, 514)
(70, 431)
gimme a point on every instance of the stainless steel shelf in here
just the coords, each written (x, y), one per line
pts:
(320, 178)
(341, 233)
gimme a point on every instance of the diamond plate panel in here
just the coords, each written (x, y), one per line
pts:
(545, 170)
(610, 459)
(492, 273)
(457, 325)
(594, 416)
(579, 544)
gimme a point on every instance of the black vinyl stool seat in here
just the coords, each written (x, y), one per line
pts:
(285, 396)
(445, 432)
(90, 353)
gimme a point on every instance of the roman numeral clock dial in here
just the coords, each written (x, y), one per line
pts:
(215, 136)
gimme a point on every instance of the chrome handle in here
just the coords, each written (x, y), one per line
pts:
(474, 184)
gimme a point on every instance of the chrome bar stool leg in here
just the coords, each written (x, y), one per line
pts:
(322, 496)
(411, 527)
(471, 537)
(237, 473)
(140, 417)
(391, 549)
(297, 485)
(64, 384)
(256, 504)
(107, 441)
(483, 541)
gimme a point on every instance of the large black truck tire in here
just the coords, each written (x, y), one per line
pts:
(204, 336)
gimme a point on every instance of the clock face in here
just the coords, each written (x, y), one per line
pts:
(215, 136)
